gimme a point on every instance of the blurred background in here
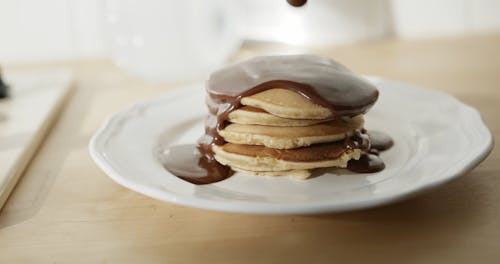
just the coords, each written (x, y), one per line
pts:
(178, 40)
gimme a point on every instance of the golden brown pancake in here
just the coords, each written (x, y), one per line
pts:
(263, 159)
(294, 174)
(287, 104)
(281, 137)
(249, 115)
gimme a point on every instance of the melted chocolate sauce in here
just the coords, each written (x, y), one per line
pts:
(297, 3)
(322, 81)
(216, 121)
(370, 162)
(367, 163)
(380, 141)
(187, 163)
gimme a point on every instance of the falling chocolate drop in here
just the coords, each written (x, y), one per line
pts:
(297, 3)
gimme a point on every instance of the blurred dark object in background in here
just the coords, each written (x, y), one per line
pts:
(4, 88)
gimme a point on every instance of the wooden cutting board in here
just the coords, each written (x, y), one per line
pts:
(26, 117)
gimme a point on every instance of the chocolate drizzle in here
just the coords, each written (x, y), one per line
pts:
(320, 80)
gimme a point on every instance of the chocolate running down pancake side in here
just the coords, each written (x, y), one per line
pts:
(281, 115)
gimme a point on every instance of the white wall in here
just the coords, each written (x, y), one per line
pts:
(428, 18)
(33, 30)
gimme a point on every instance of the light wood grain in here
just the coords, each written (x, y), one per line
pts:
(65, 210)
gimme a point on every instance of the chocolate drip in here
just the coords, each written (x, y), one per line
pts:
(380, 141)
(370, 161)
(187, 163)
(367, 163)
(297, 3)
(322, 81)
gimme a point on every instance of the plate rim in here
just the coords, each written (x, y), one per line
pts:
(472, 159)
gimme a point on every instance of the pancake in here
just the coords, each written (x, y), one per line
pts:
(282, 115)
(294, 174)
(248, 115)
(287, 104)
(262, 159)
(291, 137)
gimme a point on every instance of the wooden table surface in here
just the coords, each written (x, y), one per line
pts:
(66, 210)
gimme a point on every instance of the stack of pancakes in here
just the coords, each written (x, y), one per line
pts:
(279, 132)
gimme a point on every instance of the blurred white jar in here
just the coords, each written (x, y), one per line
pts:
(170, 40)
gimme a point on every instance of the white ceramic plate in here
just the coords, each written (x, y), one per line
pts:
(437, 138)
